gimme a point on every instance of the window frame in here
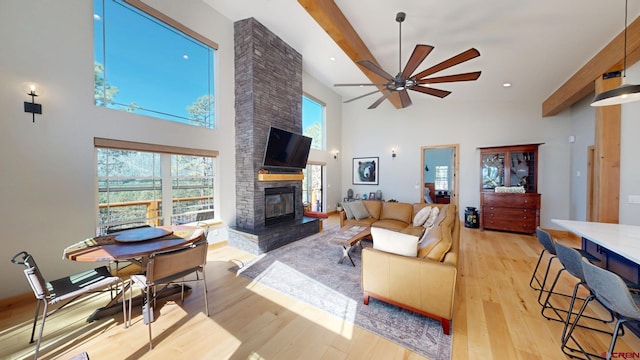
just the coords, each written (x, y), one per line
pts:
(177, 26)
(323, 123)
(105, 143)
(439, 179)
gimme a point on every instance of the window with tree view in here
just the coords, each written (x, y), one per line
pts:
(138, 188)
(313, 121)
(146, 66)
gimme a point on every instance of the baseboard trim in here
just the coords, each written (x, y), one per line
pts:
(13, 301)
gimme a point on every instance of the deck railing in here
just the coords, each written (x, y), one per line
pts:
(152, 210)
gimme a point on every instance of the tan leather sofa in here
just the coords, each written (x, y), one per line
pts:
(424, 284)
(388, 215)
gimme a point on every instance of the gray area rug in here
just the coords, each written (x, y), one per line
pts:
(308, 270)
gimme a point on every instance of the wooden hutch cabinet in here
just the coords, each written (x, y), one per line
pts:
(509, 198)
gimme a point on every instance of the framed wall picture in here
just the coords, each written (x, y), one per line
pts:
(365, 171)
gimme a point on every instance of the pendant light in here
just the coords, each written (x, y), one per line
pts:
(625, 92)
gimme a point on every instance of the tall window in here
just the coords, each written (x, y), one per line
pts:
(138, 187)
(313, 122)
(442, 178)
(147, 66)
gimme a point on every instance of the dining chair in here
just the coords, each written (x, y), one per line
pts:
(614, 294)
(170, 268)
(571, 260)
(64, 290)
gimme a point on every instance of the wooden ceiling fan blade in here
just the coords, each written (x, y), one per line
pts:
(405, 100)
(458, 59)
(431, 91)
(420, 52)
(361, 96)
(360, 84)
(369, 65)
(380, 100)
(470, 76)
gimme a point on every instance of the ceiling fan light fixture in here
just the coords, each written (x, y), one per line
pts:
(625, 92)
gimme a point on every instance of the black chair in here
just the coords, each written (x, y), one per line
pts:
(64, 290)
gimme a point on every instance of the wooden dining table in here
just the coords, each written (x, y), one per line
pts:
(135, 246)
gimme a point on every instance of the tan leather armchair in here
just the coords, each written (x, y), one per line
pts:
(421, 285)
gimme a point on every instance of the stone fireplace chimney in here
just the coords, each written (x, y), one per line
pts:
(268, 92)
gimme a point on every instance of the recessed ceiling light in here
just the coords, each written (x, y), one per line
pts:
(507, 84)
(332, 58)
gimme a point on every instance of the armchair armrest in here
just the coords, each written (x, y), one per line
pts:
(343, 217)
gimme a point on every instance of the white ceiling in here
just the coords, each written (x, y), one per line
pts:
(535, 45)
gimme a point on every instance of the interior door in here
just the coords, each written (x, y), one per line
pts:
(440, 167)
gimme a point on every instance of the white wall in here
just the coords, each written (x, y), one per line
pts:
(47, 182)
(583, 129)
(432, 121)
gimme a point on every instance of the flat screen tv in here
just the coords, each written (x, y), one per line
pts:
(286, 150)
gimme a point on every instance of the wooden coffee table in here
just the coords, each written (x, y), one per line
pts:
(347, 237)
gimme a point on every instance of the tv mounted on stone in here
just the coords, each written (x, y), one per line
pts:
(286, 150)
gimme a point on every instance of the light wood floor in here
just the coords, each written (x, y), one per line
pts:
(496, 317)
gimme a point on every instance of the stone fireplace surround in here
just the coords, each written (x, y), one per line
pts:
(268, 92)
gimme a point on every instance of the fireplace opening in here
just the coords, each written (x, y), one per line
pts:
(279, 204)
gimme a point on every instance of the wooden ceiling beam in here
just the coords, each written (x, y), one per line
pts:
(581, 84)
(329, 16)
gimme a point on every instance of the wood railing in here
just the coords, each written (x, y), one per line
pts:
(152, 206)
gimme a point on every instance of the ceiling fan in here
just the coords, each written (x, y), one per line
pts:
(419, 82)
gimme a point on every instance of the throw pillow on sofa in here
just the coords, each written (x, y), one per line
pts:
(394, 242)
(359, 211)
(422, 216)
(347, 210)
(433, 215)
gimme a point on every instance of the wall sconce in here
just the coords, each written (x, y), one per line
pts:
(393, 153)
(32, 107)
(335, 154)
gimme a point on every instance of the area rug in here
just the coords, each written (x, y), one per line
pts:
(308, 270)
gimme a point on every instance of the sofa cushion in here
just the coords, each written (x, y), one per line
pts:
(363, 222)
(391, 224)
(441, 248)
(428, 241)
(397, 211)
(373, 208)
(422, 216)
(394, 242)
(359, 211)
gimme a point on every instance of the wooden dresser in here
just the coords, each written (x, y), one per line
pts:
(509, 199)
(510, 212)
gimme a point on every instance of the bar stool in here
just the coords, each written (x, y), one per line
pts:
(571, 259)
(549, 247)
(612, 292)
